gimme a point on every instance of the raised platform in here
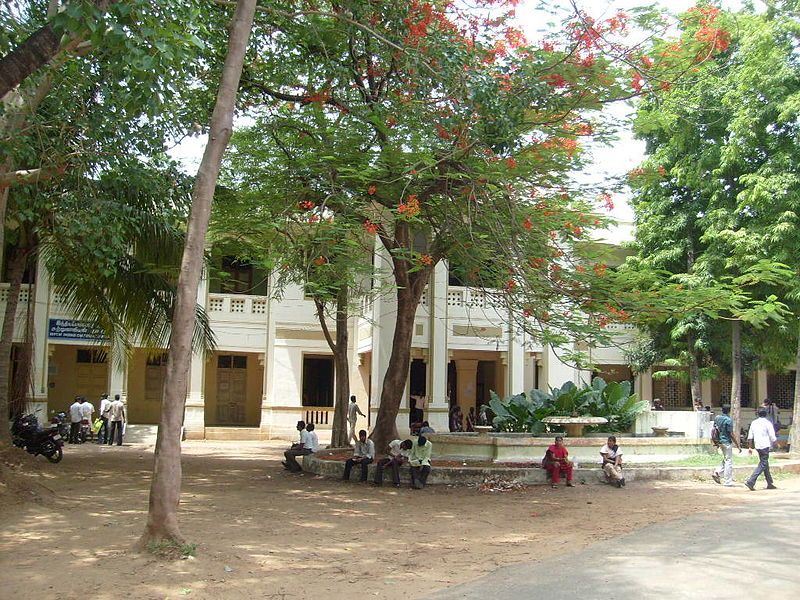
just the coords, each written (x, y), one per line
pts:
(330, 463)
(523, 447)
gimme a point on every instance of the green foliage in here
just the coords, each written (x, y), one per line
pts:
(524, 413)
(171, 550)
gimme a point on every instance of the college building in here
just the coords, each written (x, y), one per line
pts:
(272, 366)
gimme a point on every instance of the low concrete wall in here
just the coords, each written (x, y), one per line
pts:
(521, 447)
(466, 475)
(693, 424)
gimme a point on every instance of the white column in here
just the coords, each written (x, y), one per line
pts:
(515, 371)
(194, 415)
(40, 358)
(383, 315)
(438, 357)
(118, 375)
(267, 397)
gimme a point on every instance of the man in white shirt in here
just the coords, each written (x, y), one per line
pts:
(761, 437)
(398, 454)
(75, 416)
(363, 454)
(352, 416)
(309, 443)
(611, 455)
(117, 418)
(105, 406)
(87, 410)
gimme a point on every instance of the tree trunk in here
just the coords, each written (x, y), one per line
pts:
(394, 381)
(35, 52)
(16, 270)
(694, 373)
(342, 369)
(162, 518)
(736, 374)
(794, 440)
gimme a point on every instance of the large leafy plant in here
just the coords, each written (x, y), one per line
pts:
(524, 413)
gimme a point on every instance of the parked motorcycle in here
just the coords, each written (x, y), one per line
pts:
(27, 434)
(59, 421)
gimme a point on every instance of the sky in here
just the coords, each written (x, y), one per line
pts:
(606, 162)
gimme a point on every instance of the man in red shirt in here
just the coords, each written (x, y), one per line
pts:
(557, 463)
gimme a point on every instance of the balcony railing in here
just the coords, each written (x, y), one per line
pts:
(24, 292)
(236, 306)
(319, 416)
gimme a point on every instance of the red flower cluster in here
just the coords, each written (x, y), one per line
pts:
(306, 204)
(372, 189)
(527, 224)
(607, 201)
(600, 269)
(511, 162)
(320, 260)
(370, 227)
(426, 259)
(554, 80)
(409, 208)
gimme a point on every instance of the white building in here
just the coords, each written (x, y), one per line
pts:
(272, 366)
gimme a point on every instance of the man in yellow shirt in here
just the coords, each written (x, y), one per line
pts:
(420, 461)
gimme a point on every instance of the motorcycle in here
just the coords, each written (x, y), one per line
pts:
(60, 422)
(27, 434)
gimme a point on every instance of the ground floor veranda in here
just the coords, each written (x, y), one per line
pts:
(227, 388)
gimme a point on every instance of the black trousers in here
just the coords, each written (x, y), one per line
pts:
(74, 432)
(291, 458)
(419, 476)
(348, 466)
(394, 463)
(761, 467)
(116, 432)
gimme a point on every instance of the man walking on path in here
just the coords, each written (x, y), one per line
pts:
(352, 416)
(75, 416)
(105, 406)
(724, 425)
(117, 417)
(762, 438)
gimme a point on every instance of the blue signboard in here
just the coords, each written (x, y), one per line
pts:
(69, 329)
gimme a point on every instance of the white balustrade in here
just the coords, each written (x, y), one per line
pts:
(236, 307)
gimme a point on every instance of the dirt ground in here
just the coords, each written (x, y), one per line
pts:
(67, 531)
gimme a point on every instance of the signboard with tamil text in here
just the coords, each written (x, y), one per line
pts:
(69, 329)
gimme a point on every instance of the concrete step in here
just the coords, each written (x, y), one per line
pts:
(234, 433)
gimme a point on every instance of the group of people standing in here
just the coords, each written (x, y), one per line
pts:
(108, 426)
(456, 419)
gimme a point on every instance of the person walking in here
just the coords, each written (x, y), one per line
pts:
(761, 437)
(117, 417)
(87, 410)
(352, 416)
(105, 406)
(724, 425)
(75, 416)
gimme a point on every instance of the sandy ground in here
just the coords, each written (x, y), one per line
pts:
(264, 533)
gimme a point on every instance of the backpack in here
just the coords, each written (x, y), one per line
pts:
(715, 434)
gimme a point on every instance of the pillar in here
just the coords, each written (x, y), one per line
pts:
(40, 358)
(194, 415)
(643, 385)
(705, 391)
(438, 407)
(760, 391)
(267, 395)
(118, 374)
(515, 371)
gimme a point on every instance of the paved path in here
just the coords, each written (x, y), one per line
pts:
(750, 551)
